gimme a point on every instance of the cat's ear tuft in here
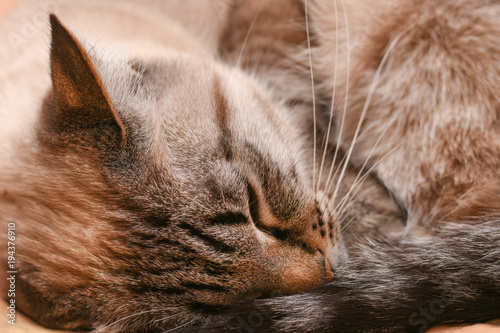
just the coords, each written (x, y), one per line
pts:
(80, 100)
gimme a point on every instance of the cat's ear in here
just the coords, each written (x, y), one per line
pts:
(80, 99)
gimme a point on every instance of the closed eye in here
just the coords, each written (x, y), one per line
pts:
(254, 204)
(229, 218)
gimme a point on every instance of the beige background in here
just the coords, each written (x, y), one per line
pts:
(5, 5)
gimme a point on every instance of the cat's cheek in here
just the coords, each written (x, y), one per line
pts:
(337, 254)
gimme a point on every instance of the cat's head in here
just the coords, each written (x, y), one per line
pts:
(159, 191)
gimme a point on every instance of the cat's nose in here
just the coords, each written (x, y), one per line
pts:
(328, 270)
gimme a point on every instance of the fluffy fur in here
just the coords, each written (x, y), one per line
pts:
(155, 185)
(414, 86)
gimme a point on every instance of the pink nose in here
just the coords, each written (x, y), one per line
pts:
(329, 273)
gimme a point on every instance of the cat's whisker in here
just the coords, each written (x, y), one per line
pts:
(382, 134)
(371, 92)
(131, 316)
(344, 225)
(330, 121)
(167, 317)
(360, 177)
(249, 32)
(361, 180)
(181, 326)
(346, 96)
(334, 172)
(367, 159)
(457, 207)
(306, 14)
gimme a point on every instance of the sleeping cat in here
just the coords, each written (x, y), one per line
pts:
(414, 85)
(153, 186)
(147, 183)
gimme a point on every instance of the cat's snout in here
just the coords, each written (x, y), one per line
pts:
(328, 270)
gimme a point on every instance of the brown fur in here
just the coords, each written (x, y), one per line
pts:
(154, 186)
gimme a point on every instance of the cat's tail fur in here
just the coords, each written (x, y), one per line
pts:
(385, 287)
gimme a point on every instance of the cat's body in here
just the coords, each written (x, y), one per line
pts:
(187, 188)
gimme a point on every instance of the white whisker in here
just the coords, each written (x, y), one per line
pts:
(313, 97)
(346, 97)
(329, 185)
(361, 180)
(176, 328)
(243, 46)
(333, 172)
(367, 159)
(330, 121)
(345, 225)
(364, 111)
(165, 318)
(130, 316)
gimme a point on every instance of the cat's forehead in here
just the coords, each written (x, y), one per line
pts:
(202, 112)
(211, 130)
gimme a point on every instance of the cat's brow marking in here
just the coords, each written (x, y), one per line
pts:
(208, 239)
(223, 120)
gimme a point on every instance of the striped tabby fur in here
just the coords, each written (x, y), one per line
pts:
(149, 182)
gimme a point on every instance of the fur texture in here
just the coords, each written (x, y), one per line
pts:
(154, 186)
(414, 87)
(171, 181)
